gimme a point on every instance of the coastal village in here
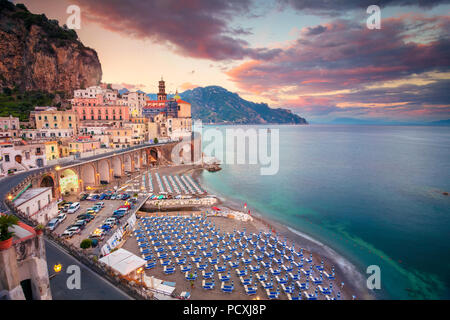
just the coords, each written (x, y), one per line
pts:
(99, 181)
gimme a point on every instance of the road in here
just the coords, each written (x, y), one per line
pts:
(92, 285)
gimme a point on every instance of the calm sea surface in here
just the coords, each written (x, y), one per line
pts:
(372, 193)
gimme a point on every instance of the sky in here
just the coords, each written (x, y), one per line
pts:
(317, 58)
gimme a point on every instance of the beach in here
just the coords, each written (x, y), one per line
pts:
(345, 272)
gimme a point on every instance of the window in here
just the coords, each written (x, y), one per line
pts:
(6, 157)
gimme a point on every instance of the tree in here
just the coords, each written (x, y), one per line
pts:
(155, 140)
(7, 221)
(86, 244)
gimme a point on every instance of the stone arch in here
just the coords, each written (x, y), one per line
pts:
(68, 181)
(88, 175)
(153, 156)
(128, 163)
(137, 160)
(104, 170)
(48, 181)
(117, 166)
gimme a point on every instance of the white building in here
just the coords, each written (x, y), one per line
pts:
(135, 102)
(21, 157)
(109, 95)
(38, 204)
(36, 134)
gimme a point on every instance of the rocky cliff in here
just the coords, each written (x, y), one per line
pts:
(38, 54)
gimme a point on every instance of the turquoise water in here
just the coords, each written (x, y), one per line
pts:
(372, 193)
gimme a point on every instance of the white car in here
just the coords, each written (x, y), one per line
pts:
(52, 224)
(111, 220)
(61, 217)
(74, 207)
(71, 231)
(100, 204)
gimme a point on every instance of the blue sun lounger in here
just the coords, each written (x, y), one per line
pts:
(233, 264)
(272, 294)
(281, 280)
(185, 269)
(249, 290)
(254, 268)
(309, 296)
(221, 268)
(241, 273)
(202, 267)
(227, 288)
(169, 270)
(224, 277)
(208, 285)
(275, 272)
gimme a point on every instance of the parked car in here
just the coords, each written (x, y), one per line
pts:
(85, 216)
(113, 197)
(91, 212)
(61, 217)
(73, 207)
(125, 196)
(102, 196)
(72, 230)
(112, 220)
(52, 224)
(108, 196)
(96, 209)
(98, 233)
(106, 227)
(125, 206)
(83, 196)
(100, 204)
(118, 214)
(80, 223)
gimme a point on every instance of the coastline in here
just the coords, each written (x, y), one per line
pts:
(354, 281)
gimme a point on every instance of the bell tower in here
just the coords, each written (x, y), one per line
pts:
(162, 96)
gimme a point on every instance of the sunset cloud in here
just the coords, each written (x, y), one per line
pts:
(345, 58)
(197, 29)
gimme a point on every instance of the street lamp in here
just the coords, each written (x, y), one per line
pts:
(57, 168)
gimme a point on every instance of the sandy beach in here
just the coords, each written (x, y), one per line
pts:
(345, 272)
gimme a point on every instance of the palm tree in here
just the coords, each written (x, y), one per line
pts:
(7, 221)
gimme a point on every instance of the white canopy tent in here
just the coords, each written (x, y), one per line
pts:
(123, 261)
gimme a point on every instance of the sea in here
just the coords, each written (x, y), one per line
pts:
(373, 194)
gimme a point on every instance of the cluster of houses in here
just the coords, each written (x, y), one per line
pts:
(100, 119)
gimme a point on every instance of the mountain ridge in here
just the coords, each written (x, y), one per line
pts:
(215, 104)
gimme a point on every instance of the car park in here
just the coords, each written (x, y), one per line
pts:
(52, 224)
